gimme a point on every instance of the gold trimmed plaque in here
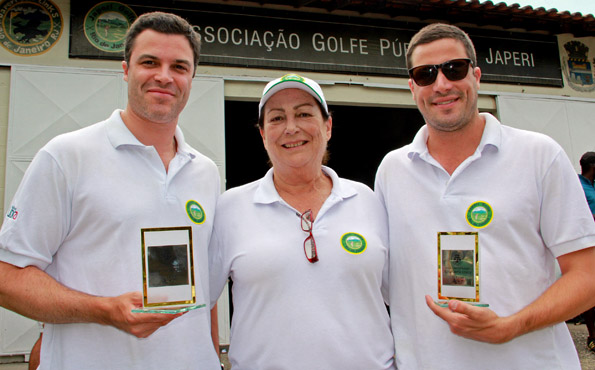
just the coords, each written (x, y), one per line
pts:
(458, 267)
(168, 270)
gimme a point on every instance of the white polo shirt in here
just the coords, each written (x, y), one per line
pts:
(293, 314)
(81, 206)
(539, 213)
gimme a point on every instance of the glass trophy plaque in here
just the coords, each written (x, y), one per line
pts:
(168, 270)
(458, 268)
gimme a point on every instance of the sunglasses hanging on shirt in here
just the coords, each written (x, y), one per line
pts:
(309, 243)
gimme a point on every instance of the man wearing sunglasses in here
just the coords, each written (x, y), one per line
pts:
(466, 174)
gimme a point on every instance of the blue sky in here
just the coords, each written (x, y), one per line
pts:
(582, 6)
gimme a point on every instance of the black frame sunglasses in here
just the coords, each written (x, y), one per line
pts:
(453, 70)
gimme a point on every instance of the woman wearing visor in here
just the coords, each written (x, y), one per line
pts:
(307, 251)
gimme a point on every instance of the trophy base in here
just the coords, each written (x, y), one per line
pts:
(168, 310)
(476, 304)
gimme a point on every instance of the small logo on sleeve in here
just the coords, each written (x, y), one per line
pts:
(195, 212)
(13, 214)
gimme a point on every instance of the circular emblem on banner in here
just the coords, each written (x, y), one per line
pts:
(106, 25)
(479, 214)
(353, 243)
(29, 27)
(195, 212)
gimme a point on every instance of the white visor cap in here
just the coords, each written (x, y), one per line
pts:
(292, 81)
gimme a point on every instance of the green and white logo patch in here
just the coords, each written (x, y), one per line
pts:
(195, 212)
(353, 243)
(479, 214)
(106, 25)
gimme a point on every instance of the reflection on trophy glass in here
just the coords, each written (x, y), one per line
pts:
(168, 265)
(457, 268)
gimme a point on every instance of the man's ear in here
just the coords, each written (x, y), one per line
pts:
(477, 75)
(125, 68)
(411, 88)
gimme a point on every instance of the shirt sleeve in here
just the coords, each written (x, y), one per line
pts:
(566, 222)
(378, 192)
(218, 269)
(36, 222)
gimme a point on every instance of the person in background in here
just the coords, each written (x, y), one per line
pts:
(587, 163)
(586, 177)
(307, 251)
(466, 172)
(71, 248)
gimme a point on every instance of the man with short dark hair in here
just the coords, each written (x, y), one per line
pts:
(467, 174)
(71, 252)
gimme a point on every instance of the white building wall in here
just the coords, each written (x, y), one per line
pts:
(247, 84)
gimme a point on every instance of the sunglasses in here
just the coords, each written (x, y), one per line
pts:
(453, 70)
(309, 243)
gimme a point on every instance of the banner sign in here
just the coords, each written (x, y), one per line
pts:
(309, 41)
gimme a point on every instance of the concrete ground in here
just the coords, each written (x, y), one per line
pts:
(579, 334)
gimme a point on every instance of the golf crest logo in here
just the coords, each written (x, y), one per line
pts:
(353, 243)
(29, 27)
(195, 212)
(479, 214)
(106, 25)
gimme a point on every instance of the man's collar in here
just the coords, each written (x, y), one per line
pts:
(585, 178)
(492, 135)
(119, 135)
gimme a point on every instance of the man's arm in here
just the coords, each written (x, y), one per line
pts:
(31, 292)
(569, 296)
